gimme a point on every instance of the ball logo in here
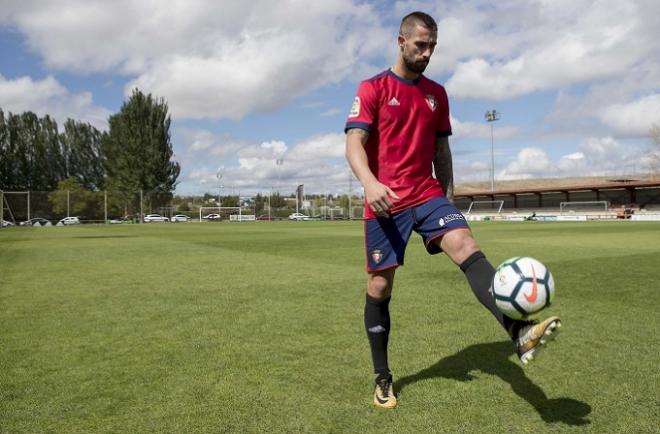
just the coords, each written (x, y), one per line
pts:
(535, 290)
(377, 256)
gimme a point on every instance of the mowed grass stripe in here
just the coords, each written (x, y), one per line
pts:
(258, 327)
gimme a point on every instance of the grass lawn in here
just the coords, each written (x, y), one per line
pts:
(257, 327)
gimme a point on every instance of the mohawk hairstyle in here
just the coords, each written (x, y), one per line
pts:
(417, 18)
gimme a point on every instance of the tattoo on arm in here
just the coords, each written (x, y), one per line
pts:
(364, 135)
(442, 164)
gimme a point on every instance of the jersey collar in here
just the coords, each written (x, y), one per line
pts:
(403, 80)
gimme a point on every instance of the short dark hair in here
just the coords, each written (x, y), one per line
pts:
(417, 19)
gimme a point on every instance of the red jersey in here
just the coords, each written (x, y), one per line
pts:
(403, 118)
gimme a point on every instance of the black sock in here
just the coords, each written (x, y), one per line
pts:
(377, 324)
(479, 273)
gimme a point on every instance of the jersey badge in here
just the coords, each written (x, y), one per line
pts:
(393, 101)
(355, 109)
(377, 256)
(430, 100)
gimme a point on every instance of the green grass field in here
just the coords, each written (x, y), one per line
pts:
(257, 327)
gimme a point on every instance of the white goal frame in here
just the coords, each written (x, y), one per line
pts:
(224, 211)
(562, 205)
(4, 205)
(499, 210)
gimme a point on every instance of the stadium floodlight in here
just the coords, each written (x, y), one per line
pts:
(492, 116)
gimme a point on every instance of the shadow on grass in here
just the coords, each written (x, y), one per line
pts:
(493, 358)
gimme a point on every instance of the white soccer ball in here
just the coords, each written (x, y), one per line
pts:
(522, 287)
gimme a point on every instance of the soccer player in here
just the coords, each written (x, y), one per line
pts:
(396, 136)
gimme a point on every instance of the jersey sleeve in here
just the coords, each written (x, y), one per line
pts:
(444, 124)
(364, 109)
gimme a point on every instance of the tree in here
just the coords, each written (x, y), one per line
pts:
(137, 150)
(277, 201)
(71, 196)
(6, 168)
(82, 154)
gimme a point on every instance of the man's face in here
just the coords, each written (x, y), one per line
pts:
(417, 48)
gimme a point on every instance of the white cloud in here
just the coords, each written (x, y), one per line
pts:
(48, 96)
(317, 161)
(594, 157)
(208, 59)
(549, 45)
(529, 162)
(466, 129)
(633, 118)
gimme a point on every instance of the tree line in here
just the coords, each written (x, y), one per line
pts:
(135, 154)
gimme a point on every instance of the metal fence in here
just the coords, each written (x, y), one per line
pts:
(131, 207)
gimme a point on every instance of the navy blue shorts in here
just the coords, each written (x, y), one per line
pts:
(386, 238)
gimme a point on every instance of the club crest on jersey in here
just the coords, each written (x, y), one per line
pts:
(355, 109)
(377, 256)
(431, 101)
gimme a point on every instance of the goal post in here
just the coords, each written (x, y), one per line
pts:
(485, 206)
(9, 214)
(231, 213)
(584, 206)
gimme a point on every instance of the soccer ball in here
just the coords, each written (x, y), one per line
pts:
(522, 287)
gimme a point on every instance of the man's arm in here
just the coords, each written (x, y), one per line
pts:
(442, 164)
(378, 195)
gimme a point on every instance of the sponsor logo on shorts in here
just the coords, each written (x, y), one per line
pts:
(450, 218)
(355, 109)
(377, 256)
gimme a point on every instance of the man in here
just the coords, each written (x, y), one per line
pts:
(396, 134)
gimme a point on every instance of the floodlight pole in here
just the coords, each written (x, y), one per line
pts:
(279, 161)
(492, 116)
(219, 175)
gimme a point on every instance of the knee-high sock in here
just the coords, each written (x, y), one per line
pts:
(377, 324)
(479, 273)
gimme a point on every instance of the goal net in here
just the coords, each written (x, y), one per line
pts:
(485, 207)
(230, 213)
(584, 206)
(14, 207)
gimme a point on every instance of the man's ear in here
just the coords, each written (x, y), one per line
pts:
(402, 41)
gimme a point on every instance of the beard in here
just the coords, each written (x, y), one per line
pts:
(417, 67)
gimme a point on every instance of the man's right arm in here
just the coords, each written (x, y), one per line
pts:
(378, 195)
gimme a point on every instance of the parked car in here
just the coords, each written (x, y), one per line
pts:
(154, 218)
(35, 220)
(70, 221)
(212, 217)
(180, 218)
(298, 216)
(265, 217)
(6, 223)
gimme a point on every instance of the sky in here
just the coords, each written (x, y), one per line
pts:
(253, 84)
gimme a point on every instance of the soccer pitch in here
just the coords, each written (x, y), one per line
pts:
(257, 327)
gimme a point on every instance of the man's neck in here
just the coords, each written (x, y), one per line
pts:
(401, 71)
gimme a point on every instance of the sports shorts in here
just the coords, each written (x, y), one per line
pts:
(386, 238)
